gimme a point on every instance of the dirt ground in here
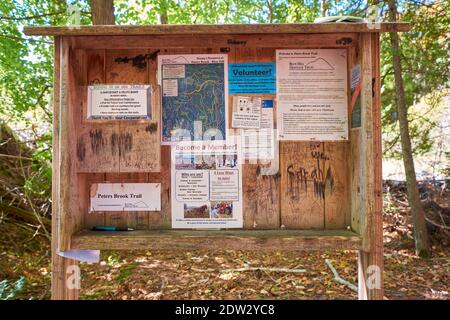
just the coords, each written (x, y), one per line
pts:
(25, 267)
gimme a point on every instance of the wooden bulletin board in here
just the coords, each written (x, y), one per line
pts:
(339, 207)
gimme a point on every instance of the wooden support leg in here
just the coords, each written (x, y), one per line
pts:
(370, 276)
(65, 272)
(370, 261)
(65, 278)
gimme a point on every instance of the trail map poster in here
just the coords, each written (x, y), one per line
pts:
(312, 94)
(206, 186)
(194, 96)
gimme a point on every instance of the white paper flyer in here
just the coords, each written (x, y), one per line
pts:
(206, 184)
(312, 94)
(246, 112)
(259, 144)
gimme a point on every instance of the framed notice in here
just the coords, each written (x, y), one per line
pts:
(119, 102)
(312, 94)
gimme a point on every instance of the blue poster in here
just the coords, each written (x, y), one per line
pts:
(251, 78)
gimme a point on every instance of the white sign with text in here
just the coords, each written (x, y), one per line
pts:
(125, 197)
(119, 102)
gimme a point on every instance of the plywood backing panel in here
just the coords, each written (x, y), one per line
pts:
(269, 201)
(261, 193)
(337, 197)
(302, 185)
(138, 140)
(314, 185)
(96, 151)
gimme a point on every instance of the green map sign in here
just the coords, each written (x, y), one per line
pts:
(194, 94)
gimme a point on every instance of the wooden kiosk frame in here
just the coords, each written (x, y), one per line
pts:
(89, 151)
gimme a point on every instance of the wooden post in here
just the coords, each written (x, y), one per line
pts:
(370, 259)
(64, 271)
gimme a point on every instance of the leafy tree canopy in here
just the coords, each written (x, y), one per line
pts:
(26, 62)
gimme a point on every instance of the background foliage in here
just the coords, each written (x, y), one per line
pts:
(26, 65)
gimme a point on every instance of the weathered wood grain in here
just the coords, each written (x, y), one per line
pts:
(302, 185)
(261, 193)
(355, 172)
(218, 29)
(337, 190)
(139, 142)
(59, 288)
(86, 180)
(370, 259)
(267, 240)
(367, 147)
(97, 148)
(162, 219)
(355, 165)
(71, 63)
(97, 151)
(217, 41)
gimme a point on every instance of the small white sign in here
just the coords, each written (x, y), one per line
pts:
(170, 88)
(192, 185)
(246, 112)
(125, 197)
(118, 101)
(224, 185)
(174, 71)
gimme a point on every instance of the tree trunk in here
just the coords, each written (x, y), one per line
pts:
(164, 19)
(163, 16)
(417, 210)
(102, 12)
(323, 8)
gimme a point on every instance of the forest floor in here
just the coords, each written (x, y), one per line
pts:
(25, 268)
